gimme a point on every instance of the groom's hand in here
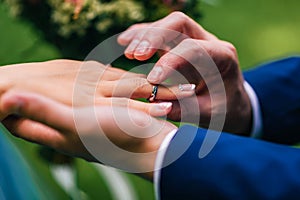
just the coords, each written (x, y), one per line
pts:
(193, 55)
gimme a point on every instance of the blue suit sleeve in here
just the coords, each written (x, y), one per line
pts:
(277, 85)
(236, 168)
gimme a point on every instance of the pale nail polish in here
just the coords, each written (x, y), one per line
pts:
(165, 105)
(186, 87)
(143, 47)
(155, 74)
(132, 46)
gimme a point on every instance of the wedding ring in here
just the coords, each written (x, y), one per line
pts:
(153, 94)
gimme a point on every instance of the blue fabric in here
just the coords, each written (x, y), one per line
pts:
(240, 167)
(236, 168)
(16, 182)
(277, 85)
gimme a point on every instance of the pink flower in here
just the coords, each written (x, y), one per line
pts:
(78, 7)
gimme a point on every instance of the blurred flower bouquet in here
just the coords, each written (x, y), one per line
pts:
(75, 26)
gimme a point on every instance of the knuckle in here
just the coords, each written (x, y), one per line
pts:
(139, 83)
(178, 15)
(193, 49)
(189, 42)
(101, 89)
(169, 62)
(143, 76)
(123, 102)
(231, 47)
(173, 60)
(133, 27)
(230, 57)
(165, 60)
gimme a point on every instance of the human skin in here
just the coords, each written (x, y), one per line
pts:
(68, 85)
(80, 83)
(56, 127)
(183, 45)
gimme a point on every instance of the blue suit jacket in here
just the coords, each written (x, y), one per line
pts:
(240, 167)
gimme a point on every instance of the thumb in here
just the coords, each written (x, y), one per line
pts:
(165, 66)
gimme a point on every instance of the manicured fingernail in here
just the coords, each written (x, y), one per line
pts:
(164, 105)
(143, 47)
(132, 46)
(155, 74)
(186, 87)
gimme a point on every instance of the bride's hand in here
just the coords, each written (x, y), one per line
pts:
(118, 136)
(83, 83)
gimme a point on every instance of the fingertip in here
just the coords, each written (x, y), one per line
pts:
(166, 106)
(129, 55)
(160, 109)
(129, 51)
(142, 50)
(156, 74)
(144, 55)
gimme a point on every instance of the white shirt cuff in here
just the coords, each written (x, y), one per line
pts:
(256, 112)
(159, 161)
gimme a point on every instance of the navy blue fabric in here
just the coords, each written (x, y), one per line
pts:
(277, 85)
(16, 182)
(240, 167)
(236, 168)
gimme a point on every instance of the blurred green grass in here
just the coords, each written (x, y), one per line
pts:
(20, 42)
(261, 30)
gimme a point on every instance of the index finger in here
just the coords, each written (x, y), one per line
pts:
(144, 41)
(140, 88)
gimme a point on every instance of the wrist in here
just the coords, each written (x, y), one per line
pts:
(239, 114)
(154, 144)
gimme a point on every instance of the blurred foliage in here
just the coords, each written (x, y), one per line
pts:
(260, 30)
(76, 26)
